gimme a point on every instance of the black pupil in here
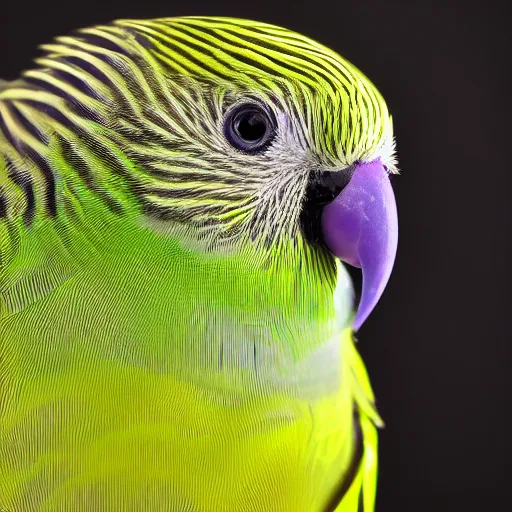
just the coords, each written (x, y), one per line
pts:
(251, 126)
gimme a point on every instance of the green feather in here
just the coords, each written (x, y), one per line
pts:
(169, 341)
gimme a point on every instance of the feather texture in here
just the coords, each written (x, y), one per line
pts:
(169, 341)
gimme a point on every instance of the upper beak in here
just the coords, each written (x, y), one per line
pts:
(360, 226)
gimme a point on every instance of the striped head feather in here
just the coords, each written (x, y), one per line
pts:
(137, 110)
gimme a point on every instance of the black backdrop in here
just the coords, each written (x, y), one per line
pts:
(438, 345)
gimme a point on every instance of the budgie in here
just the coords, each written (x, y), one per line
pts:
(178, 200)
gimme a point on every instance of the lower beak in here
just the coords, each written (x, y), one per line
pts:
(360, 226)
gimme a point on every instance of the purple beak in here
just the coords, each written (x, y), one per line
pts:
(361, 228)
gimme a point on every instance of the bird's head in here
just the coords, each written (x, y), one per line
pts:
(246, 133)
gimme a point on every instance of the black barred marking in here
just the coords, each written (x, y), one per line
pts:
(78, 83)
(51, 111)
(46, 86)
(189, 60)
(104, 153)
(24, 182)
(257, 66)
(7, 134)
(351, 473)
(28, 125)
(3, 204)
(141, 39)
(152, 116)
(317, 65)
(262, 46)
(195, 174)
(202, 215)
(81, 167)
(90, 68)
(360, 505)
(70, 209)
(206, 49)
(102, 42)
(176, 214)
(197, 193)
(75, 105)
(49, 181)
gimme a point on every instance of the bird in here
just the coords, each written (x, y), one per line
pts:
(179, 201)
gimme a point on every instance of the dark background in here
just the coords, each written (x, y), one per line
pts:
(438, 347)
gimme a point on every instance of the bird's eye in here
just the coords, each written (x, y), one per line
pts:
(249, 127)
